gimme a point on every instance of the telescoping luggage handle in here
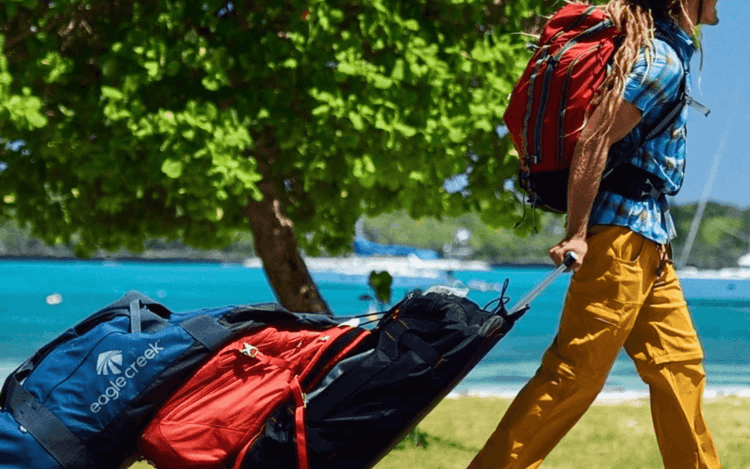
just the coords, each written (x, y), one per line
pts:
(523, 303)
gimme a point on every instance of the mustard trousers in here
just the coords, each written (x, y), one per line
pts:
(617, 299)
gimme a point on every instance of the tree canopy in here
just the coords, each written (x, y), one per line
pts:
(177, 119)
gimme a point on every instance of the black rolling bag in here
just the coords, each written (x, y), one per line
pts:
(418, 352)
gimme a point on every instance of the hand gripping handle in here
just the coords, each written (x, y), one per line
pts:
(523, 303)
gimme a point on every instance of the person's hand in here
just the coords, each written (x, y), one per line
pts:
(577, 245)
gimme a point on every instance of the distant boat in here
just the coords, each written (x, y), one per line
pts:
(365, 247)
(400, 261)
(744, 261)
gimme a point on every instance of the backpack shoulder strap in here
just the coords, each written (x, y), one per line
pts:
(671, 116)
(683, 99)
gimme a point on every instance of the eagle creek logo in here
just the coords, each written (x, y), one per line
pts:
(110, 363)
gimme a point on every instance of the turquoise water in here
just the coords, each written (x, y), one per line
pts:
(720, 307)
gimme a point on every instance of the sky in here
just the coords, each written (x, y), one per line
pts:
(725, 89)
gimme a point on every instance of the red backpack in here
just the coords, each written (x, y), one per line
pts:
(548, 104)
(550, 101)
(215, 417)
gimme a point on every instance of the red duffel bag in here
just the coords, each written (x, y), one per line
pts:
(224, 405)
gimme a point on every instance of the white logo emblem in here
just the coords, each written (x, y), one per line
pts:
(109, 363)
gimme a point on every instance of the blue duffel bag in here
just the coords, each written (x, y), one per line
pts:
(81, 401)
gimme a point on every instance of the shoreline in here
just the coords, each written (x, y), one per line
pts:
(449, 263)
(604, 398)
(732, 371)
(341, 265)
(607, 398)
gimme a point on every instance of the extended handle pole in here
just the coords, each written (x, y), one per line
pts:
(569, 260)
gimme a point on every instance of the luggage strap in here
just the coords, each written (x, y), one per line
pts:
(330, 354)
(333, 352)
(299, 423)
(47, 429)
(397, 331)
(206, 330)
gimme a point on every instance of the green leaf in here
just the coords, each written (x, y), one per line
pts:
(210, 83)
(320, 110)
(112, 93)
(290, 63)
(346, 69)
(406, 130)
(484, 124)
(417, 176)
(381, 282)
(481, 53)
(411, 24)
(35, 119)
(152, 67)
(456, 135)
(379, 81)
(356, 120)
(172, 168)
(398, 70)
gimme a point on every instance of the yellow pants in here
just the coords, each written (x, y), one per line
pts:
(617, 299)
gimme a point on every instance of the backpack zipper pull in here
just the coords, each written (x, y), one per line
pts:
(249, 350)
(354, 322)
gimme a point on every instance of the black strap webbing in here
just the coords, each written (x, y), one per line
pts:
(399, 332)
(55, 437)
(317, 443)
(671, 117)
(345, 385)
(206, 330)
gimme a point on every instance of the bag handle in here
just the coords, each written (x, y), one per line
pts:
(522, 305)
(132, 295)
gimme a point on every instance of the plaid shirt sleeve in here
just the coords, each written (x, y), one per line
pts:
(650, 86)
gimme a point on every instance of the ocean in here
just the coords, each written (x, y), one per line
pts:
(39, 299)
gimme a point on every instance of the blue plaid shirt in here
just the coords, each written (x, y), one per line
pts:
(653, 90)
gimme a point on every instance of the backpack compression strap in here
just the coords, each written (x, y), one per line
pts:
(47, 429)
(684, 99)
(535, 154)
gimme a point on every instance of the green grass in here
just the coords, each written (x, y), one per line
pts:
(616, 436)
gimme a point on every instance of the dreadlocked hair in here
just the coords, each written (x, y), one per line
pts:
(635, 20)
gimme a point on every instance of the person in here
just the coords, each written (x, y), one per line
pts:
(624, 291)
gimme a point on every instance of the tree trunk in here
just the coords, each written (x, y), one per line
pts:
(276, 245)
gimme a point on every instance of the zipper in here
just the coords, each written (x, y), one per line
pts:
(526, 144)
(552, 62)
